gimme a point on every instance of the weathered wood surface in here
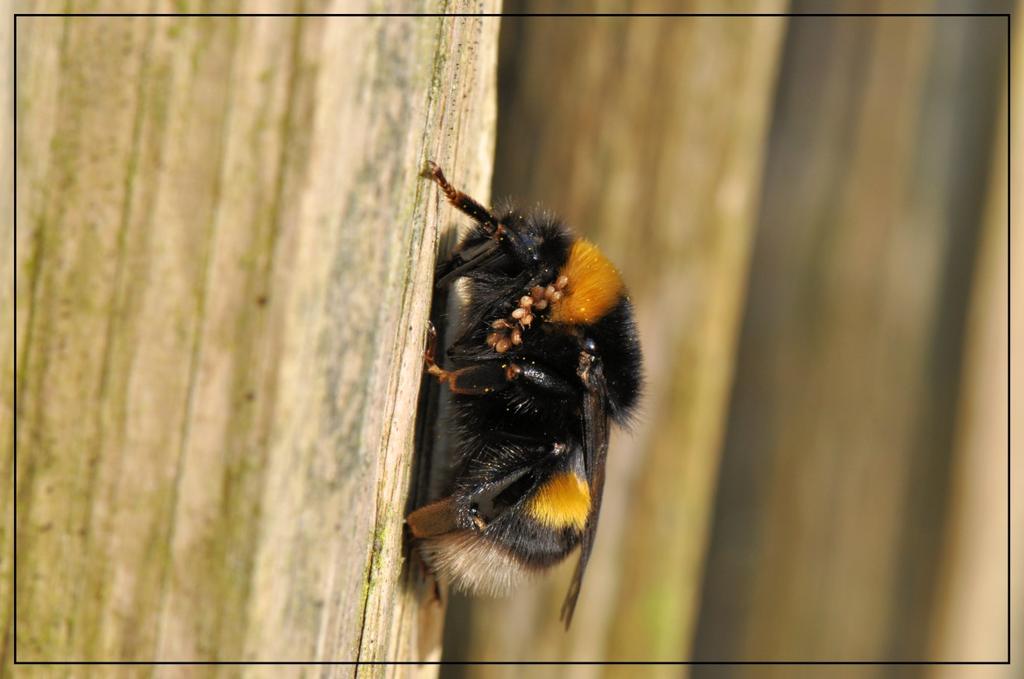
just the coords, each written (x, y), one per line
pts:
(837, 470)
(7, 346)
(224, 264)
(971, 610)
(646, 135)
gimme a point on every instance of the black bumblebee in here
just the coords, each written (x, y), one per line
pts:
(546, 355)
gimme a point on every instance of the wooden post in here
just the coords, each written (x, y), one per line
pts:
(830, 516)
(647, 136)
(971, 613)
(224, 265)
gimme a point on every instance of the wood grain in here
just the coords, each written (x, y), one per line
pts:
(972, 614)
(646, 135)
(836, 470)
(224, 265)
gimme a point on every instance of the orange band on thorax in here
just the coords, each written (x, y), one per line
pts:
(594, 288)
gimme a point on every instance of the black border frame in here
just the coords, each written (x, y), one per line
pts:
(1007, 662)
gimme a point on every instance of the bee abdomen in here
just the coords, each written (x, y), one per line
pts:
(473, 563)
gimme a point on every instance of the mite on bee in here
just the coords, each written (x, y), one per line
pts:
(546, 356)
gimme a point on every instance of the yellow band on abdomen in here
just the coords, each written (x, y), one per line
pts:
(564, 500)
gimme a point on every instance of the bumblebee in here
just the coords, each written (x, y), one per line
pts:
(547, 356)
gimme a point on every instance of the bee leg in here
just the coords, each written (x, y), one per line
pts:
(475, 380)
(429, 577)
(461, 201)
(428, 521)
(437, 587)
(478, 379)
(542, 379)
(466, 260)
(431, 348)
(433, 519)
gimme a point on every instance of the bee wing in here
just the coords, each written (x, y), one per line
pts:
(594, 418)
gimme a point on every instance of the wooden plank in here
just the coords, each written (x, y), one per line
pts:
(971, 613)
(646, 135)
(835, 473)
(224, 265)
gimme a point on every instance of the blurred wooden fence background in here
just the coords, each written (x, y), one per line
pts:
(222, 267)
(811, 215)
